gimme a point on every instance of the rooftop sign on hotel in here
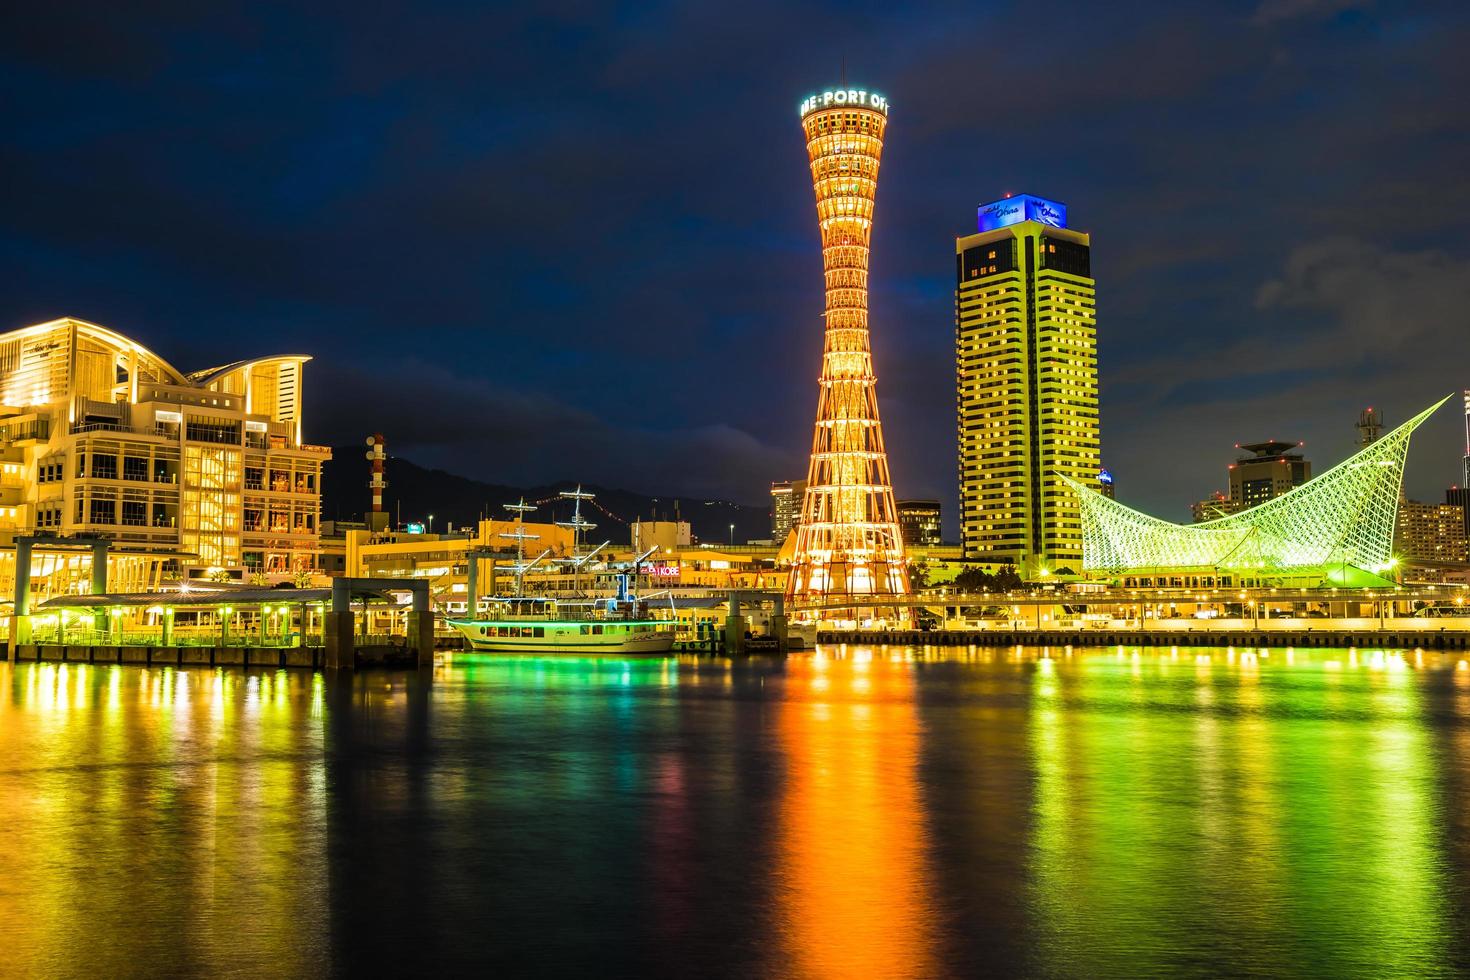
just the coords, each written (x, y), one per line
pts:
(1022, 207)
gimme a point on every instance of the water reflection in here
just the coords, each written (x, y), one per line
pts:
(854, 812)
(1268, 821)
(148, 824)
(851, 872)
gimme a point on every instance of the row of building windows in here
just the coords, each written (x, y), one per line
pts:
(203, 428)
(175, 396)
(279, 521)
(133, 513)
(279, 480)
(104, 466)
(1072, 258)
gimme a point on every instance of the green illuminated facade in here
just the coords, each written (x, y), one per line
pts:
(1335, 530)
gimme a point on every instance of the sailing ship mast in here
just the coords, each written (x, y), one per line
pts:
(579, 527)
(521, 566)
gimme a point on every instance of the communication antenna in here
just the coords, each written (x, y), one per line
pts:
(1370, 426)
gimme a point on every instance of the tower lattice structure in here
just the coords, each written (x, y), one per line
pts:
(848, 544)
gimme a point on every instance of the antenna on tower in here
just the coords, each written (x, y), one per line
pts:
(844, 69)
(1370, 426)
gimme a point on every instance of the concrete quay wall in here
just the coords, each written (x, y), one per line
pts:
(1374, 639)
(308, 657)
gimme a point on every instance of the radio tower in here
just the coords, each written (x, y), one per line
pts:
(376, 454)
(848, 543)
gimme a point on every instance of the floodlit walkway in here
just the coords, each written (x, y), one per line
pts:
(341, 626)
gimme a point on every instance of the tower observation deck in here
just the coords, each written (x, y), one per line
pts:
(848, 542)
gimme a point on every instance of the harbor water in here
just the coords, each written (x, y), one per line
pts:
(849, 812)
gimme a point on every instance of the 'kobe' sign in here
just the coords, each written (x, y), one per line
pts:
(845, 97)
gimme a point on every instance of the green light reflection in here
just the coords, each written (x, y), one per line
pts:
(1285, 814)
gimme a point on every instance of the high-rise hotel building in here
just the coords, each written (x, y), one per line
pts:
(1026, 353)
(100, 437)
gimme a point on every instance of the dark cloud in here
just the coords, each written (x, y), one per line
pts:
(579, 241)
(1359, 325)
(485, 429)
(1275, 11)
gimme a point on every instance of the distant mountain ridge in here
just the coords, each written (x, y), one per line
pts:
(415, 492)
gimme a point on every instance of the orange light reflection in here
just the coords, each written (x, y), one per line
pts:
(852, 874)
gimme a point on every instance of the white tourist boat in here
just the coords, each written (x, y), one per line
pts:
(610, 626)
(548, 626)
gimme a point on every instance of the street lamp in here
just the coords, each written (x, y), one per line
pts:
(732, 535)
(431, 523)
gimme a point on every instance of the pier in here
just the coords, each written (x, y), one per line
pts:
(329, 628)
(1428, 616)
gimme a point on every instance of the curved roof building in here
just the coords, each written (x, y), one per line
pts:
(102, 437)
(1335, 529)
(72, 358)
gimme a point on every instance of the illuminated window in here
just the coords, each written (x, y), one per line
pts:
(103, 511)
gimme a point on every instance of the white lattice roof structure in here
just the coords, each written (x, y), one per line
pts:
(1343, 519)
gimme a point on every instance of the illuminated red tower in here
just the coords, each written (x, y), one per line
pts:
(848, 543)
(376, 454)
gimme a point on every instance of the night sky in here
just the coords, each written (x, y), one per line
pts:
(579, 242)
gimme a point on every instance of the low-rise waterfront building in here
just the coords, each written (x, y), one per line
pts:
(333, 542)
(444, 561)
(663, 535)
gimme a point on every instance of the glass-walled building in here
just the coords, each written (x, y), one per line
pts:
(101, 437)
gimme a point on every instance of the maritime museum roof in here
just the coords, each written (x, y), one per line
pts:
(1340, 524)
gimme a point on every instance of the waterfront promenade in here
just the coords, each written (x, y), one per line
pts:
(1435, 634)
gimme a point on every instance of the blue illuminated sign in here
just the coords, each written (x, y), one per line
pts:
(1022, 207)
(1103, 476)
(414, 528)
